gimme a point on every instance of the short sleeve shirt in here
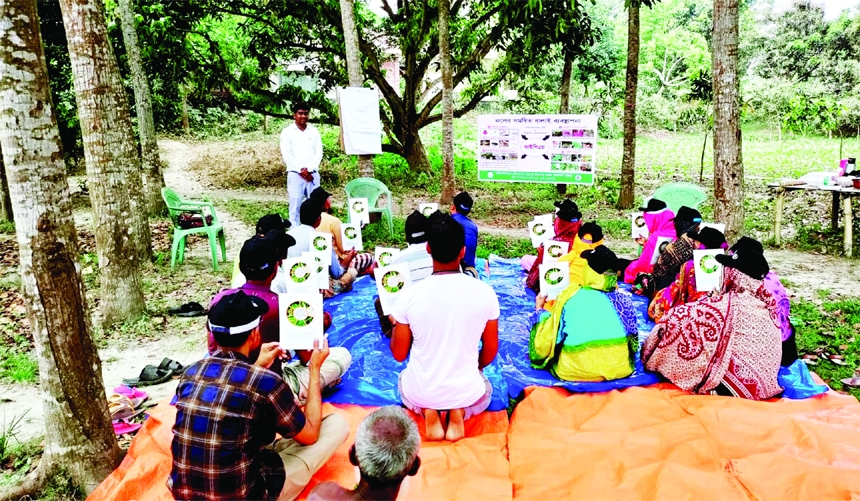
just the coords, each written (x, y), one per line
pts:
(227, 411)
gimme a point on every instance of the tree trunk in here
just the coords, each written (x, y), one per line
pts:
(353, 66)
(415, 154)
(113, 167)
(79, 437)
(564, 105)
(628, 160)
(728, 164)
(5, 198)
(153, 179)
(447, 195)
(186, 123)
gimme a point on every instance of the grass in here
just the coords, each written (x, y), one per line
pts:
(18, 365)
(835, 326)
(7, 227)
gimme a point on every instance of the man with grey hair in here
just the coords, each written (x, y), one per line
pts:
(385, 451)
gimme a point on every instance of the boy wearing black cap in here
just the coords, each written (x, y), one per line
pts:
(267, 223)
(332, 225)
(460, 210)
(229, 409)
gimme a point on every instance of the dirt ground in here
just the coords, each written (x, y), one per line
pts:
(807, 273)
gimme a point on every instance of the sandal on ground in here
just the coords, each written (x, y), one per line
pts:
(192, 309)
(172, 366)
(836, 359)
(136, 396)
(853, 381)
(123, 427)
(150, 375)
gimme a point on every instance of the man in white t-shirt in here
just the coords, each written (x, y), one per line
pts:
(301, 148)
(439, 324)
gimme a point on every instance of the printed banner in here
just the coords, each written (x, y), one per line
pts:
(301, 319)
(537, 148)
(351, 235)
(390, 283)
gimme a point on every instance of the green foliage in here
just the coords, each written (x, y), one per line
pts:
(17, 365)
(8, 433)
(829, 326)
(249, 212)
(503, 246)
(7, 227)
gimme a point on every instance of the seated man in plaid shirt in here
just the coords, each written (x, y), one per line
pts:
(229, 410)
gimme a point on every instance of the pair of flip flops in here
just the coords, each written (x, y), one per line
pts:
(192, 309)
(124, 405)
(820, 354)
(152, 375)
(853, 381)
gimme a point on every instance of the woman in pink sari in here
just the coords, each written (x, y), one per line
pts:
(658, 219)
(567, 222)
(727, 344)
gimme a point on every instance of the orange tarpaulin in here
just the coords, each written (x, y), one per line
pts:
(662, 443)
(473, 468)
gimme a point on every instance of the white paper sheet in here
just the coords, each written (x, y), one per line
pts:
(540, 231)
(301, 275)
(385, 255)
(554, 278)
(358, 211)
(321, 269)
(390, 283)
(351, 236)
(545, 217)
(301, 319)
(428, 208)
(321, 246)
(662, 242)
(709, 272)
(554, 250)
(359, 113)
(637, 223)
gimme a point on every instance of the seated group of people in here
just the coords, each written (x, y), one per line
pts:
(231, 405)
(728, 341)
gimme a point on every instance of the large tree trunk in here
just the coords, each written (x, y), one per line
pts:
(5, 198)
(447, 195)
(415, 154)
(353, 66)
(153, 179)
(564, 105)
(628, 160)
(728, 164)
(79, 437)
(122, 233)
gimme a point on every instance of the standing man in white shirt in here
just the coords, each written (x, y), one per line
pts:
(301, 148)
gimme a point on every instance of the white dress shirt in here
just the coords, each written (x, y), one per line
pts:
(301, 148)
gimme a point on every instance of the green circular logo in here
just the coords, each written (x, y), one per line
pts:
(553, 276)
(393, 281)
(554, 250)
(320, 243)
(357, 207)
(639, 222)
(350, 232)
(663, 246)
(299, 273)
(319, 264)
(427, 211)
(538, 229)
(708, 264)
(385, 258)
(300, 314)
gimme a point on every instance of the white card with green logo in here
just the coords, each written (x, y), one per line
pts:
(428, 208)
(384, 256)
(301, 319)
(709, 272)
(351, 235)
(321, 246)
(554, 278)
(662, 243)
(321, 271)
(540, 231)
(359, 212)
(545, 217)
(637, 223)
(553, 250)
(390, 283)
(301, 275)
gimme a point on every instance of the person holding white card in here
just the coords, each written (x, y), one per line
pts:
(658, 218)
(361, 261)
(674, 256)
(341, 274)
(567, 222)
(448, 327)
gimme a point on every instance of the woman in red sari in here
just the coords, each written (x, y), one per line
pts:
(726, 344)
(567, 222)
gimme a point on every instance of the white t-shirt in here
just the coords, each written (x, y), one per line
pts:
(419, 260)
(301, 148)
(447, 314)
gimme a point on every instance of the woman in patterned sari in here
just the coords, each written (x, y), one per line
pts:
(567, 222)
(726, 344)
(658, 218)
(683, 289)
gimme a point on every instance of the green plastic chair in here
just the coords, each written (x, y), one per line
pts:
(677, 194)
(176, 206)
(372, 190)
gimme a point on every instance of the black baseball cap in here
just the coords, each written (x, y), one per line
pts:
(309, 212)
(281, 240)
(592, 229)
(258, 254)
(711, 238)
(568, 210)
(271, 222)
(320, 195)
(463, 202)
(416, 228)
(747, 244)
(600, 259)
(653, 205)
(746, 261)
(236, 313)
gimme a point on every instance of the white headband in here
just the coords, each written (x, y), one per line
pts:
(239, 329)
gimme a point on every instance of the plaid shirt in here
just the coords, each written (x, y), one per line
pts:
(227, 412)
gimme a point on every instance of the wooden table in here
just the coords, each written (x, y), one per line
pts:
(840, 195)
